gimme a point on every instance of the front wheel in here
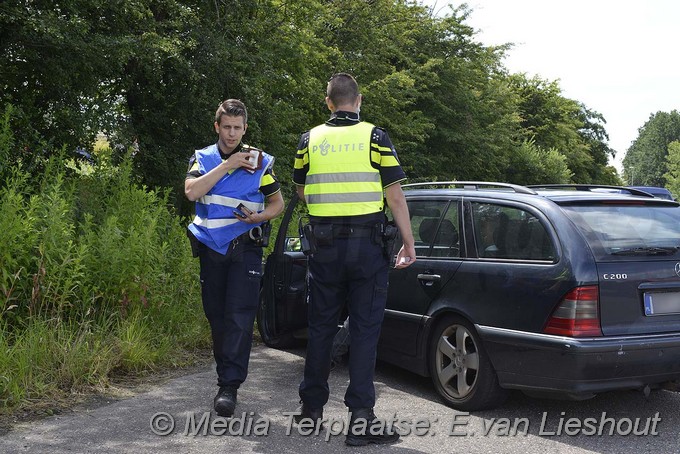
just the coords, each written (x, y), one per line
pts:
(460, 368)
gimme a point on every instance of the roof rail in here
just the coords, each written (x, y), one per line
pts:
(590, 187)
(476, 185)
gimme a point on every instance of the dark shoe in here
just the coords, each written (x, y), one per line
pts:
(365, 428)
(225, 401)
(315, 414)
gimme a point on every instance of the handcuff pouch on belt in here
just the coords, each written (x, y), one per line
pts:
(259, 234)
(314, 235)
(323, 234)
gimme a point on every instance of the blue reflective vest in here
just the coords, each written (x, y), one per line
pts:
(215, 224)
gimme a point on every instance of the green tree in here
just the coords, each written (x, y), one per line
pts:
(595, 137)
(532, 165)
(439, 93)
(672, 176)
(73, 69)
(151, 73)
(275, 59)
(554, 122)
(645, 162)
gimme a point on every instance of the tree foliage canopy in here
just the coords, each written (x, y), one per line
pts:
(646, 162)
(152, 72)
(673, 165)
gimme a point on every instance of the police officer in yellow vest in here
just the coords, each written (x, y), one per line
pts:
(235, 193)
(341, 169)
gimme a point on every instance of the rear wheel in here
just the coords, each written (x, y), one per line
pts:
(266, 328)
(460, 368)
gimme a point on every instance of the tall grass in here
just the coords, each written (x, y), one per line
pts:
(96, 278)
(48, 359)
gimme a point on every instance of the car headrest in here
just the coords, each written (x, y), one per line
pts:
(448, 235)
(427, 229)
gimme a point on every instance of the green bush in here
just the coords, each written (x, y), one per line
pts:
(96, 277)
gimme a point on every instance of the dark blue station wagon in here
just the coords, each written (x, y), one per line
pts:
(566, 290)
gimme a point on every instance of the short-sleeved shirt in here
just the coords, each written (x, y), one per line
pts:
(269, 185)
(384, 158)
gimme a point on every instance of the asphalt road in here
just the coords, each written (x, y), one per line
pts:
(522, 425)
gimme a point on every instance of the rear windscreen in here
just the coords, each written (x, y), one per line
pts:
(628, 230)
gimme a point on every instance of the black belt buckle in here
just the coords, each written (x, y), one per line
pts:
(342, 231)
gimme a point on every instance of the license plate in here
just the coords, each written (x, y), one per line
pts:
(662, 303)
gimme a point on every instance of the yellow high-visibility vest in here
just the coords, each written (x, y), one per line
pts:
(341, 180)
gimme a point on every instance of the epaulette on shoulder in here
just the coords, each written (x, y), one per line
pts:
(378, 133)
(304, 137)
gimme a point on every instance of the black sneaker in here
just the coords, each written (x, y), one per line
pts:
(225, 401)
(315, 414)
(365, 428)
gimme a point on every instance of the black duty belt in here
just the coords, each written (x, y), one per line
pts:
(240, 239)
(250, 236)
(353, 231)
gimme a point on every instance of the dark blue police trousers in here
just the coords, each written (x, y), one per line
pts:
(352, 272)
(230, 287)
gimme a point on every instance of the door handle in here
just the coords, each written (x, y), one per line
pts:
(429, 277)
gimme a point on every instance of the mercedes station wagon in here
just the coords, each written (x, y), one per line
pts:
(557, 290)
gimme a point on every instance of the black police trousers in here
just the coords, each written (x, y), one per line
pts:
(230, 287)
(353, 272)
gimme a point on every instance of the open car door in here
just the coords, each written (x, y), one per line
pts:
(282, 313)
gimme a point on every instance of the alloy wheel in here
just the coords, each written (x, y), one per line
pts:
(457, 361)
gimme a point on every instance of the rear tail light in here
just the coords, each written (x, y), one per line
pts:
(577, 314)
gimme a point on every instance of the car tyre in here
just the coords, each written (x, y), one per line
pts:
(460, 368)
(265, 329)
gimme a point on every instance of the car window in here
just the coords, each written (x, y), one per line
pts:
(425, 218)
(510, 233)
(447, 241)
(620, 229)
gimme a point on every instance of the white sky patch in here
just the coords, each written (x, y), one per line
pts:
(618, 57)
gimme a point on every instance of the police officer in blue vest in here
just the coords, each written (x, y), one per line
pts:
(342, 168)
(236, 194)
